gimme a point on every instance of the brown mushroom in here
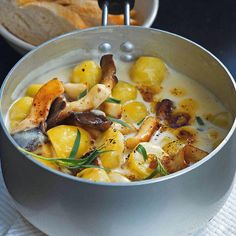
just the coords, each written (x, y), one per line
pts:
(89, 119)
(164, 109)
(108, 71)
(179, 119)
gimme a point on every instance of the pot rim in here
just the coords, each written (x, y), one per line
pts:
(137, 183)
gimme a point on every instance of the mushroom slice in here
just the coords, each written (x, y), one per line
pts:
(31, 139)
(108, 71)
(148, 127)
(41, 105)
(193, 154)
(89, 119)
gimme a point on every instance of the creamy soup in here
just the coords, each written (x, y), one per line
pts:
(118, 122)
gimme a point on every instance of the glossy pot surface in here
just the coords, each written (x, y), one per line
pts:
(177, 204)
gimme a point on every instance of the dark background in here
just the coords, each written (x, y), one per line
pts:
(210, 23)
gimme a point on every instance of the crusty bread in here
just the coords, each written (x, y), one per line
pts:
(60, 11)
(38, 22)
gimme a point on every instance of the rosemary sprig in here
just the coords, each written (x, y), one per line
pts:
(141, 121)
(200, 121)
(160, 169)
(82, 94)
(118, 121)
(140, 148)
(75, 147)
(112, 100)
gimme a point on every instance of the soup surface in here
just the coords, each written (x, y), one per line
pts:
(117, 121)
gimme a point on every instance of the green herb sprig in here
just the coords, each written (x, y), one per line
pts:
(84, 162)
(82, 94)
(160, 169)
(140, 148)
(75, 147)
(113, 100)
(200, 121)
(118, 121)
(141, 121)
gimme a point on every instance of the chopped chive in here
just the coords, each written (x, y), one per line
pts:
(75, 147)
(160, 169)
(140, 148)
(118, 121)
(141, 121)
(199, 120)
(153, 174)
(82, 94)
(112, 100)
(163, 171)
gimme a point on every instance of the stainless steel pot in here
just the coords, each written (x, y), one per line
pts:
(177, 204)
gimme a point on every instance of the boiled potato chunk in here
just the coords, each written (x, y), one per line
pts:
(124, 91)
(63, 137)
(138, 165)
(94, 174)
(117, 178)
(113, 141)
(87, 72)
(33, 89)
(221, 119)
(148, 72)
(19, 111)
(134, 111)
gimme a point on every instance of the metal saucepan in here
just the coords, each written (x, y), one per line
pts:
(178, 204)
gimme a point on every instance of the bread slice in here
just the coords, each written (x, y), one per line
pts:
(38, 22)
(60, 11)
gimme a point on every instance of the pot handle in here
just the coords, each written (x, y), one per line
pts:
(116, 7)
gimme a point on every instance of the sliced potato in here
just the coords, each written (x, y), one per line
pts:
(33, 89)
(138, 165)
(134, 111)
(113, 141)
(117, 178)
(19, 111)
(63, 137)
(94, 174)
(148, 72)
(87, 72)
(124, 91)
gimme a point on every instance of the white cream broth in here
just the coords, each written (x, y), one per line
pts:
(207, 136)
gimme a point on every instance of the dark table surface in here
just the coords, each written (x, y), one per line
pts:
(210, 23)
